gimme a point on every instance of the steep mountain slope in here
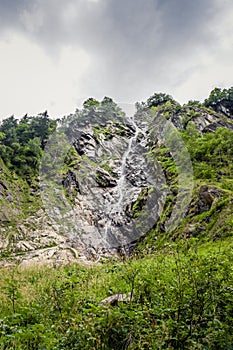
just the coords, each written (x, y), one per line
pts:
(111, 184)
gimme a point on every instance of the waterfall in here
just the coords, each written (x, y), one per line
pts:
(117, 216)
(122, 179)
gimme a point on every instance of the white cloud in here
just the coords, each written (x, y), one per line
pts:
(31, 81)
(214, 65)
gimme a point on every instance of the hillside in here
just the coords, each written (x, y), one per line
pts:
(144, 201)
(108, 180)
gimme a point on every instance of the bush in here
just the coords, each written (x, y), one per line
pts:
(181, 299)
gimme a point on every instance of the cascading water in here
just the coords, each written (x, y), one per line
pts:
(117, 199)
(121, 181)
(116, 214)
(117, 193)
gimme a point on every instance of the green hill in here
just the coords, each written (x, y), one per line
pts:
(138, 209)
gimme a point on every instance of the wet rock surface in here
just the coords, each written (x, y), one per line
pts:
(112, 194)
(107, 199)
(112, 174)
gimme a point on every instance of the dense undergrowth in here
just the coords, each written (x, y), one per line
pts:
(181, 298)
(180, 284)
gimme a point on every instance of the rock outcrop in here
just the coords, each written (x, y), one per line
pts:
(111, 191)
(111, 175)
(205, 120)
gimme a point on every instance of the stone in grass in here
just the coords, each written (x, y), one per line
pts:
(113, 300)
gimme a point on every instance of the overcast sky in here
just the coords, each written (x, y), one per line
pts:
(54, 53)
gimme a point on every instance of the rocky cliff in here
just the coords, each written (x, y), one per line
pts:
(109, 180)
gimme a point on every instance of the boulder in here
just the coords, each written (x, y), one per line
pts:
(205, 199)
(113, 300)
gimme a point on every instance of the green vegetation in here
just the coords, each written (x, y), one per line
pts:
(179, 284)
(22, 142)
(218, 96)
(211, 153)
(109, 131)
(181, 298)
(159, 99)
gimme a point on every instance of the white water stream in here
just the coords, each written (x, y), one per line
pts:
(117, 210)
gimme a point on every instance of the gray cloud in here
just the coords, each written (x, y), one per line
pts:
(10, 12)
(98, 23)
(135, 45)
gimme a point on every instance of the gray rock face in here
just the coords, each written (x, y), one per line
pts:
(112, 191)
(203, 120)
(225, 107)
(119, 190)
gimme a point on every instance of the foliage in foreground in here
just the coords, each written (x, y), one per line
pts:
(181, 299)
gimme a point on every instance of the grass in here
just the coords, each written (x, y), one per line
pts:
(184, 286)
(181, 289)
